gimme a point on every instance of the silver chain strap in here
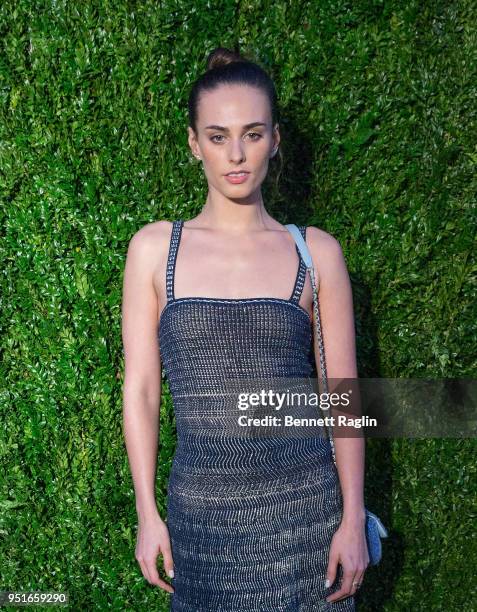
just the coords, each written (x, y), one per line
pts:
(324, 381)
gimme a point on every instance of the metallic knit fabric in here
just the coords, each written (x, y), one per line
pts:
(250, 518)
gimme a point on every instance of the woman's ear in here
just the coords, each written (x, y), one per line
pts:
(276, 140)
(192, 139)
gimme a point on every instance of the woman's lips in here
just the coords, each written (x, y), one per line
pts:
(236, 179)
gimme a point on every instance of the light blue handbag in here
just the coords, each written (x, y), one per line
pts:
(374, 528)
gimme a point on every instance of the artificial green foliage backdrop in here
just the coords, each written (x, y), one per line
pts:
(378, 125)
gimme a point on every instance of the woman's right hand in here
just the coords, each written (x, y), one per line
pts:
(153, 539)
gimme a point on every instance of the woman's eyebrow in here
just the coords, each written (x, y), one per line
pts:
(245, 127)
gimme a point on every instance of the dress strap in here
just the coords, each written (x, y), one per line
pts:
(301, 274)
(171, 260)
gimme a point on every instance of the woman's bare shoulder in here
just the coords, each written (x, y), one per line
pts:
(318, 239)
(325, 250)
(151, 240)
(153, 231)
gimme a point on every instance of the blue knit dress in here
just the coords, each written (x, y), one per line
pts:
(250, 517)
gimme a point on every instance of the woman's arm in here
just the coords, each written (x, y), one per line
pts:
(348, 546)
(337, 326)
(142, 373)
(142, 393)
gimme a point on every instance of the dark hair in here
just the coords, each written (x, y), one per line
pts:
(229, 67)
(225, 67)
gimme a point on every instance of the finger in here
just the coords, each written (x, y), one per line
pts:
(345, 589)
(358, 578)
(338, 595)
(155, 578)
(168, 560)
(331, 571)
(144, 571)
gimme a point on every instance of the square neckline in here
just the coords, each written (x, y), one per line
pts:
(170, 278)
(291, 299)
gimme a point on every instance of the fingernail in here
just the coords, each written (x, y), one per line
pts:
(170, 573)
(327, 583)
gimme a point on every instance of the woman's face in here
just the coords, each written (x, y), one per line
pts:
(234, 133)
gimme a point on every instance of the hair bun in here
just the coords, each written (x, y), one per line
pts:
(222, 56)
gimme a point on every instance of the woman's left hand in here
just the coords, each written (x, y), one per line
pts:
(349, 548)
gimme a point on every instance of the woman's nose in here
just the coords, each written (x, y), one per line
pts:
(236, 152)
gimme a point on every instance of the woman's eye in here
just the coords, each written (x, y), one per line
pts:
(255, 134)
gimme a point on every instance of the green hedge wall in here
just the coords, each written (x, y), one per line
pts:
(378, 132)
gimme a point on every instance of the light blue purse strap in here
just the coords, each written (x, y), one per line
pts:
(301, 244)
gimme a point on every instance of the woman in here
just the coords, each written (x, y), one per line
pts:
(253, 523)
